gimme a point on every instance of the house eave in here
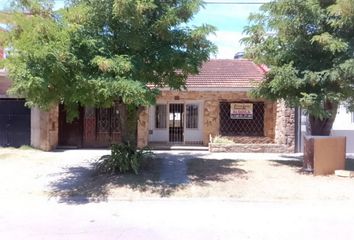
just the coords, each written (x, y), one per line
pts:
(213, 89)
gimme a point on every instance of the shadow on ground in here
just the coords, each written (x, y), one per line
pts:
(160, 176)
(298, 164)
(289, 163)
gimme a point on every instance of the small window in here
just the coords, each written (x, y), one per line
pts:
(352, 117)
(160, 116)
(192, 116)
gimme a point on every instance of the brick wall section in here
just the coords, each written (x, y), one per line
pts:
(143, 128)
(285, 126)
(211, 101)
(44, 128)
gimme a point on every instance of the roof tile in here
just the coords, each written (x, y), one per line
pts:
(227, 73)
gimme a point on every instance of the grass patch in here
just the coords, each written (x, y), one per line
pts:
(26, 147)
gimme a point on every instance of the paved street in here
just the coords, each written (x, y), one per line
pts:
(176, 219)
(27, 212)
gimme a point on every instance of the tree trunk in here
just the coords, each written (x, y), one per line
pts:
(322, 127)
(128, 123)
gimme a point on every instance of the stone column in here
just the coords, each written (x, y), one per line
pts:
(44, 128)
(211, 120)
(285, 127)
(269, 119)
(143, 128)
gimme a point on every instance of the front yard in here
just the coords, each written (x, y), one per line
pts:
(68, 177)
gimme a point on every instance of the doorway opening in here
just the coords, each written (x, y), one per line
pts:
(176, 123)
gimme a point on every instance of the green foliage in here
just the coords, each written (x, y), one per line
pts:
(124, 158)
(309, 47)
(95, 52)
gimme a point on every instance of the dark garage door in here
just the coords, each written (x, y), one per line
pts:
(15, 123)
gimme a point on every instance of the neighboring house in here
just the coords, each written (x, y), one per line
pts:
(20, 125)
(342, 126)
(14, 116)
(216, 102)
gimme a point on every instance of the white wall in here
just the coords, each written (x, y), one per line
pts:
(190, 135)
(155, 134)
(342, 126)
(35, 128)
(195, 135)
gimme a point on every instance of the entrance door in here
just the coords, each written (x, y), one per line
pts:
(176, 123)
(70, 134)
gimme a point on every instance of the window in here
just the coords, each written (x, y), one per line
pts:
(242, 127)
(352, 117)
(160, 116)
(192, 116)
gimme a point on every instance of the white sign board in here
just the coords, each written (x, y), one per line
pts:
(241, 111)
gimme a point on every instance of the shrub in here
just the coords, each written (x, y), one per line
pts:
(124, 158)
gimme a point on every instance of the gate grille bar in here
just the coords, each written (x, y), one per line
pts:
(176, 123)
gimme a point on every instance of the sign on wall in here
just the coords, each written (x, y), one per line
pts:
(241, 111)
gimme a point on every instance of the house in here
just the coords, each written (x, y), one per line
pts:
(343, 125)
(20, 125)
(14, 116)
(216, 102)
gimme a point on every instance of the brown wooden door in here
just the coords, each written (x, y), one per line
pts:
(70, 134)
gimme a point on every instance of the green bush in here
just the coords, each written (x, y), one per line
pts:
(124, 158)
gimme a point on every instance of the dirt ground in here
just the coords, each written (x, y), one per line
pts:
(68, 177)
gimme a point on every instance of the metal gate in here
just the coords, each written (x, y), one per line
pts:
(101, 127)
(95, 127)
(176, 124)
(15, 123)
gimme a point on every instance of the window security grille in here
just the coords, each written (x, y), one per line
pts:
(242, 127)
(160, 116)
(192, 116)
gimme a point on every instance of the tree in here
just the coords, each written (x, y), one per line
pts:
(309, 47)
(96, 52)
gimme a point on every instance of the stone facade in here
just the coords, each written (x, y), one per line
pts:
(278, 120)
(143, 128)
(256, 148)
(285, 126)
(44, 128)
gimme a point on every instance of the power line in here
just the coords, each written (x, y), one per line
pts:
(235, 3)
(220, 3)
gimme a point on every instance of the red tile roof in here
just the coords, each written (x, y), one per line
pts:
(227, 73)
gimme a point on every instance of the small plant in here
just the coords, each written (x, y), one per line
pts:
(124, 158)
(221, 139)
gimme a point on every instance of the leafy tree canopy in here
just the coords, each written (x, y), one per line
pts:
(95, 52)
(309, 47)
